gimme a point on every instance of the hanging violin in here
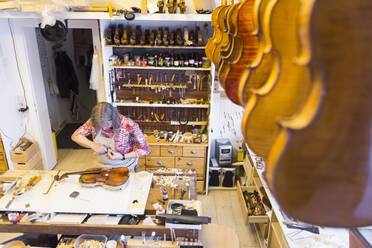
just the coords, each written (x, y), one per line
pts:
(314, 126)
(114, 177)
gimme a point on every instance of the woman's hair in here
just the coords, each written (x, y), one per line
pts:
(104, 112)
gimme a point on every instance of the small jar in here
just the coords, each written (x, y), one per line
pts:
(151, 61)
(165, 194)
(138, 61)
(186, 62)
(176, 62)
(206, 63)
(191, 61)
(126, 59)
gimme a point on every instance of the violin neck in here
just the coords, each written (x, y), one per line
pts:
(83, 172)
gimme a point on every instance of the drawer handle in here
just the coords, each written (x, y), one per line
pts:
(189, 163)
(171, 151)
(194, 152)
(160, 162)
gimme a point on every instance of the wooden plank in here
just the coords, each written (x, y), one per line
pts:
(243, 205)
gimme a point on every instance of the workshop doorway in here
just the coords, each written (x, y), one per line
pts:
(66, 67)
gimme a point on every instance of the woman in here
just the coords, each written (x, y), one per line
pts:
(114, 137)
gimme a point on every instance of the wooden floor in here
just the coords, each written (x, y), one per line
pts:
(222, 206)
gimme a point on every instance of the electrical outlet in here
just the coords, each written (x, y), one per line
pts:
(21, 103)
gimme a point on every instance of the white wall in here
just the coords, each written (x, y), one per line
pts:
(29, 70)
(225, 120)
(13, 124)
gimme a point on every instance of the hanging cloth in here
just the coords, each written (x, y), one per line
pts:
(66, 76)
(94, 72)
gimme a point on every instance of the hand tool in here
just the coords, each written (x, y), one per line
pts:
(51, 184)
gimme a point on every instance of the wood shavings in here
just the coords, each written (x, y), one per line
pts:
(91, 244)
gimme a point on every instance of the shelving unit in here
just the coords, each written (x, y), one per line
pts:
(159, 105)
(132, 95)
(159, 47)
(161, 68)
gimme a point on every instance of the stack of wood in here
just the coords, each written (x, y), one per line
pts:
(3, 161)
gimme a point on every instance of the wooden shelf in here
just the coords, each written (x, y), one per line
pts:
(174, 123)
(105, 15)
(154, 86)
(161, 68)
(151, 140)
(158, 47)
(134, 104)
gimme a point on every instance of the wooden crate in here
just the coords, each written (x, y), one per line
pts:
(24, 156)
(34, 163)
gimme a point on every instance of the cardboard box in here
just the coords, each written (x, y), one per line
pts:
(19, 156)
(35, 163)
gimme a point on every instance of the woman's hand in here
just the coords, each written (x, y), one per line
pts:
(99, 148)
(114, 155)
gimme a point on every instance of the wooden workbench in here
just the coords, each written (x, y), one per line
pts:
(75, 229)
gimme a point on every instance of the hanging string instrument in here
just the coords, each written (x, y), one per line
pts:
(286, 94)
(232, 48)
(229, 72)
(320, 165)
(216, 29)
(223, 20)
(113, 177)
(260, 76)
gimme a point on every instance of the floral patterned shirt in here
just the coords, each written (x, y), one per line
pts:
(130, 138)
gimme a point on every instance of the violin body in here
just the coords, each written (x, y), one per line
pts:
(285, 95)
(320, 167)
(232, 50)
(312, 125)
(113, 178)
(216, 30)
(110, 177)
(229, 73)
(223, 20)
(263, 72)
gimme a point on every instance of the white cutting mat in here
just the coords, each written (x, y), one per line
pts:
(95, 200)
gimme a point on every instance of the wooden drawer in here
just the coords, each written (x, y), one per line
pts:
(194, 151)
(35, 163)
(155, 151)
(171, 151)
(160, 162)
(197, 164)
(200, 187)
(243, 205)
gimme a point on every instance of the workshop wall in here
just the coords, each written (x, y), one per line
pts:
(13, 124)
(226, 120)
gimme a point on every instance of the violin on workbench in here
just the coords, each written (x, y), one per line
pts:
(113, 177)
